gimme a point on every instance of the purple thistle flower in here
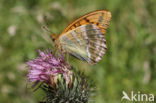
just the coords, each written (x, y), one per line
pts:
(46, 68)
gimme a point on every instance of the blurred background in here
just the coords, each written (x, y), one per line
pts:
(129, 63)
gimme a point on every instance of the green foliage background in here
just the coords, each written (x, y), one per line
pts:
(129, 63)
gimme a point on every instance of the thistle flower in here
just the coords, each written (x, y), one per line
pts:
(59, 81)
(47, 67)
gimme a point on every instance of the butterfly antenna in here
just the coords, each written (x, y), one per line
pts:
(46, 29)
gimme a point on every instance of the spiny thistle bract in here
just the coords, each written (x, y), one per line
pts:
(60, 83)
(76, 92)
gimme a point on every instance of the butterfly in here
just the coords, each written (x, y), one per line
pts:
(85, 37)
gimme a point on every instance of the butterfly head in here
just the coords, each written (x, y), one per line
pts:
(53, 37)
(56, 42)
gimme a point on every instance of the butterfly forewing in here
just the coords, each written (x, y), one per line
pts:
(100, 18)
(85, 42)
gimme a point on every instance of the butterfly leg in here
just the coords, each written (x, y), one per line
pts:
(67, 57)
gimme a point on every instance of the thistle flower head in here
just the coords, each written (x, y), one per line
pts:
(47, 67)
(60, 83)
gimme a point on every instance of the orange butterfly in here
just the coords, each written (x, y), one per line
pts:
(84, 38)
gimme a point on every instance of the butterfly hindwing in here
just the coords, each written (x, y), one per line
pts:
(85, 42)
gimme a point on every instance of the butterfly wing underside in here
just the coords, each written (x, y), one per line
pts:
(100, 18)
(85, 42)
